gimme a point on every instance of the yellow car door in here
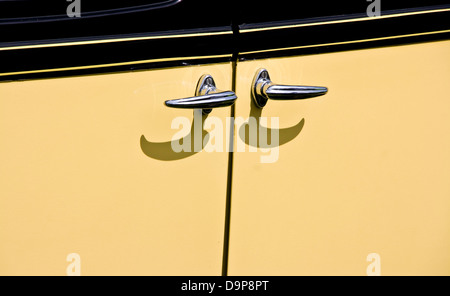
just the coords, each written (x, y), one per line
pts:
(355, 181)
(90, 183)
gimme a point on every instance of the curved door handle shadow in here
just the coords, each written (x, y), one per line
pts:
(285, 135)
(163, 150)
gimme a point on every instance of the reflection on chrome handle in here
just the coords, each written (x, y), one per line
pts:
(263, 89)
(207, 97)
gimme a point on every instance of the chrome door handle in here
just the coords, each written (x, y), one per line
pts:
(207, 97)
(263, 89)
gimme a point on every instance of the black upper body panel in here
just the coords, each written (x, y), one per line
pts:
(253, 12)
(33, 20)
(39, 38)
(29, 20)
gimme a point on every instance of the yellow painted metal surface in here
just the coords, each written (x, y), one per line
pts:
(362, 182)
(87, 169)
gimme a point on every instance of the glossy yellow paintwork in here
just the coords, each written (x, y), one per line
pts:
(364, 169)
(82, 172)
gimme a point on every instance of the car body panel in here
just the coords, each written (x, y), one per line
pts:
(87, 168)
(89, 171)
(364, 169)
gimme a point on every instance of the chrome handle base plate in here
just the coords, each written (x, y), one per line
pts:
(205, 85)
(260, 80)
